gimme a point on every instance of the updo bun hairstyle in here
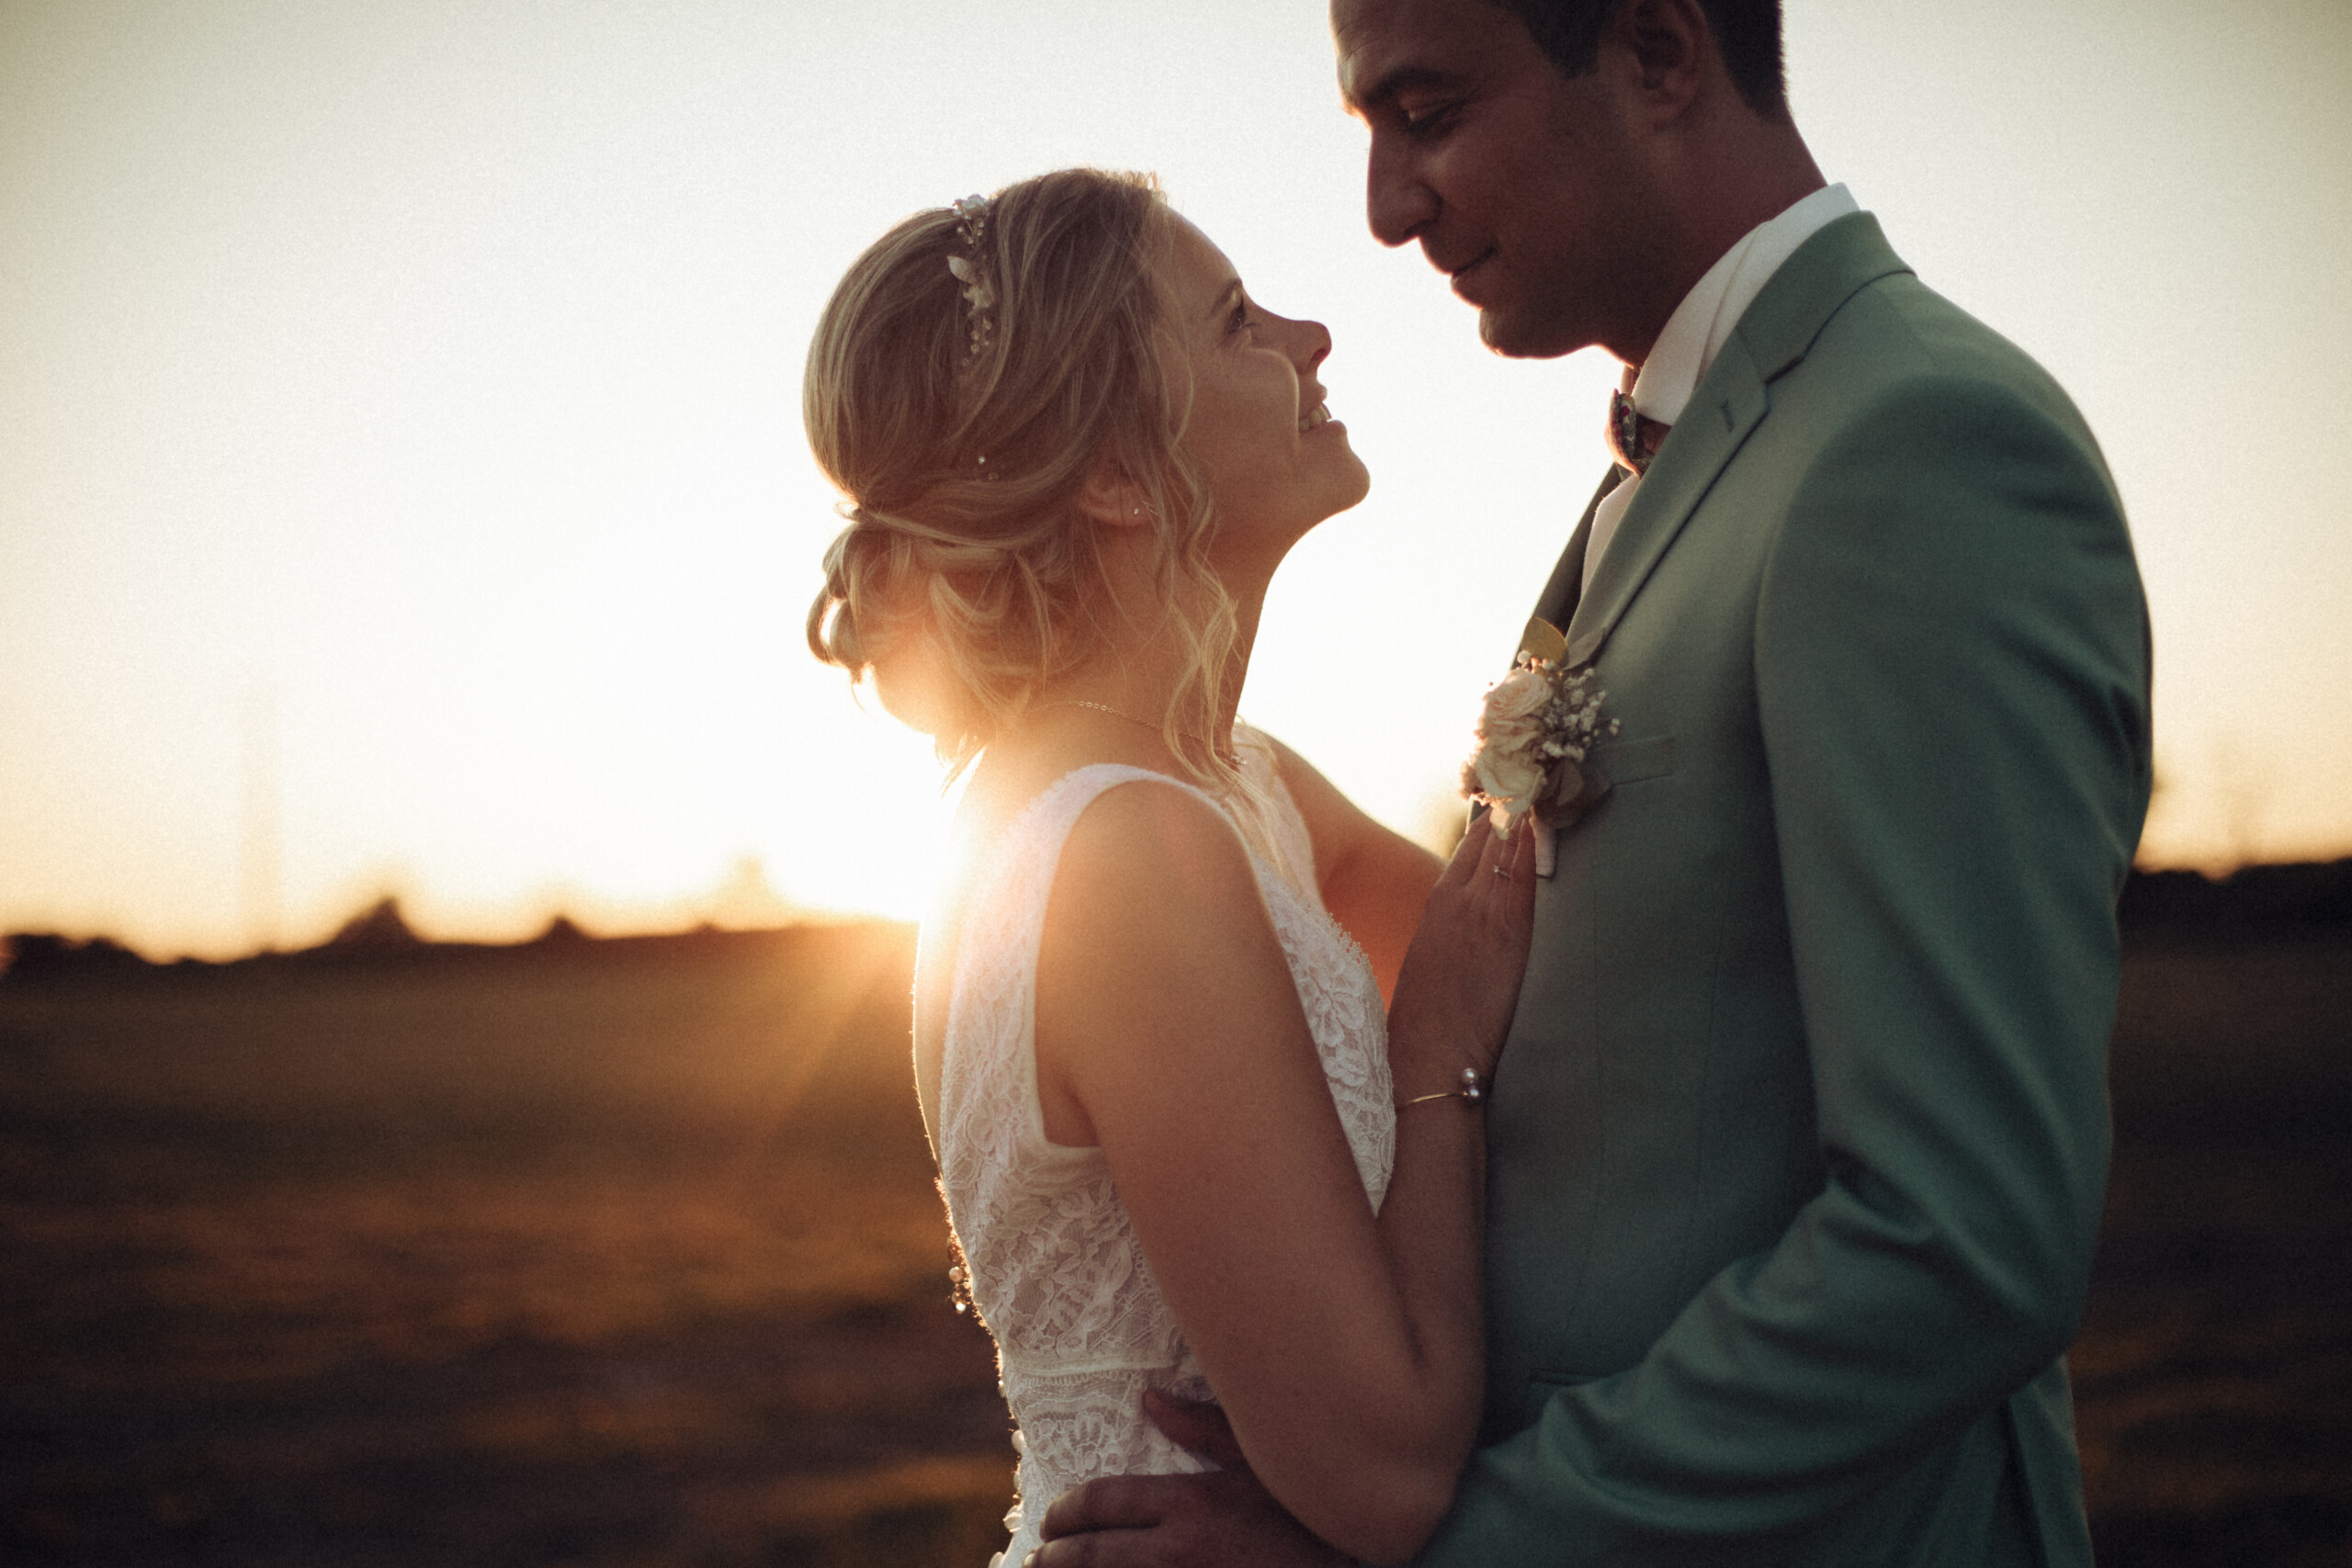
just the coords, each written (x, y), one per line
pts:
(960, 411)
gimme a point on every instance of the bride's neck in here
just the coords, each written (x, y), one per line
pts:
(1139, 677)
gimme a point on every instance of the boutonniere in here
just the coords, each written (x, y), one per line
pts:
(1538, 724)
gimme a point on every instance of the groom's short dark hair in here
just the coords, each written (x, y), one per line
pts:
(1746, 31)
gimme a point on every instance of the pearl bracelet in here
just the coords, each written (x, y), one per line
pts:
(1473, 1091)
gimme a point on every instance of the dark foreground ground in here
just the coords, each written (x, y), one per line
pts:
(627, 1254)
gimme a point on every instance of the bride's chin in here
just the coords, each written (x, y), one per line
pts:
(1353, 494)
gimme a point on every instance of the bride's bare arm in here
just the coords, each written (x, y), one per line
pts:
(1372, 878)
(1345, 1349)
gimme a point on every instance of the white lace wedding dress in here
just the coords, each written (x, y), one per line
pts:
(1053, 1266)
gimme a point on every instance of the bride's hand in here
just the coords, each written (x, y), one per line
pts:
(1460, 982)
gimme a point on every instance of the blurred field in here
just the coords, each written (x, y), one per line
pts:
(617, 1256)
(2214, 1375)
(627, 1253)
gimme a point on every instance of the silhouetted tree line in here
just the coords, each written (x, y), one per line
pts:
(378, 937)
(35, 957)
(2253, 901)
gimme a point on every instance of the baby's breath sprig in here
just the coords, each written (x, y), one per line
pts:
(1538, 724)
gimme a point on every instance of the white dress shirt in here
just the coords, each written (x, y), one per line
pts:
(1699, 326)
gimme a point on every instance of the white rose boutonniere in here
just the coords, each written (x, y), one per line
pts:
(1537, 726)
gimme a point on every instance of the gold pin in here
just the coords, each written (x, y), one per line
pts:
(1543, 640)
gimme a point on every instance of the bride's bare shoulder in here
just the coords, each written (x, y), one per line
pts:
(1156, 829)
(1158, 847)
(1155, 936)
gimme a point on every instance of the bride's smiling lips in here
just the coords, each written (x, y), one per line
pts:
(1318, 414)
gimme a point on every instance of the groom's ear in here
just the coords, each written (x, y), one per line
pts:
(1111, 498)
(1667, 46)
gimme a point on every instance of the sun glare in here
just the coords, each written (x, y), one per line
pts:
(402, 485)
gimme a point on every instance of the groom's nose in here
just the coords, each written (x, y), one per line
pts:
(1397, 203)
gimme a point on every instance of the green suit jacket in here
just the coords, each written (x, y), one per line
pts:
(1799, 1141)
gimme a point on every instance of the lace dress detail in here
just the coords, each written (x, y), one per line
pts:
(1055, 1267)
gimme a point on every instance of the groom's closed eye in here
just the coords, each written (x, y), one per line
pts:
(1411, 98)
(1427, 117)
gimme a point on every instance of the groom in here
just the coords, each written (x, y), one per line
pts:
(1797, 1148)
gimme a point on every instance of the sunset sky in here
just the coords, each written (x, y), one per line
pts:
(403, 488)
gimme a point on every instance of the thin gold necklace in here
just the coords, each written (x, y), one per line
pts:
(1105, 707)
(1115, 713)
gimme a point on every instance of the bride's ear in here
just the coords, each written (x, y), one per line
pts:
(1111, 498)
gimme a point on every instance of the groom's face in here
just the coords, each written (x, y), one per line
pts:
(1524, 186)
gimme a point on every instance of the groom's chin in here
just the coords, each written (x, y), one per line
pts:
(1517, 335)
(1500, 335)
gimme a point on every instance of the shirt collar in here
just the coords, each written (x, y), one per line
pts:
(1697, 331)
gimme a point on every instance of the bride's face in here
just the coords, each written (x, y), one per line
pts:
(1276, 461)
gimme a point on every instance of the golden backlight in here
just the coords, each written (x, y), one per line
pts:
(402, 485)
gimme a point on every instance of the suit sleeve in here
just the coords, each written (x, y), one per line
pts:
(1951, 671)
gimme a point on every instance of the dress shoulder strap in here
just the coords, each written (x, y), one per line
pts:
(1284, 826)
(991, 1008)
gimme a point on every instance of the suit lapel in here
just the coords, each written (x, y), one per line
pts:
(1778, 328)
(1727, 407)
(1557, 602)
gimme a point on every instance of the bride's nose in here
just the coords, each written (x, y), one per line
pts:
(1309, 342)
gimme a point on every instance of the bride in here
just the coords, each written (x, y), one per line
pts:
(1182, 1149)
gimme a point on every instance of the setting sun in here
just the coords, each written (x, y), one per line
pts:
(402, 485)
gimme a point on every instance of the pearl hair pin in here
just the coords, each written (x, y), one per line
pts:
(971, 226)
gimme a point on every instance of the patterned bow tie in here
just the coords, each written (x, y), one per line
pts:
(1634, 436)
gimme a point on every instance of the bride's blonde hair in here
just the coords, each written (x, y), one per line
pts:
(962, 430)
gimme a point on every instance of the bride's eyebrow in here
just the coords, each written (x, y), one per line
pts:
(1227, 298)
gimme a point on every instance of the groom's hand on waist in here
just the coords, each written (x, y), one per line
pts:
(1180, 1521)
(1197, 1426)
(1221, 1519)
